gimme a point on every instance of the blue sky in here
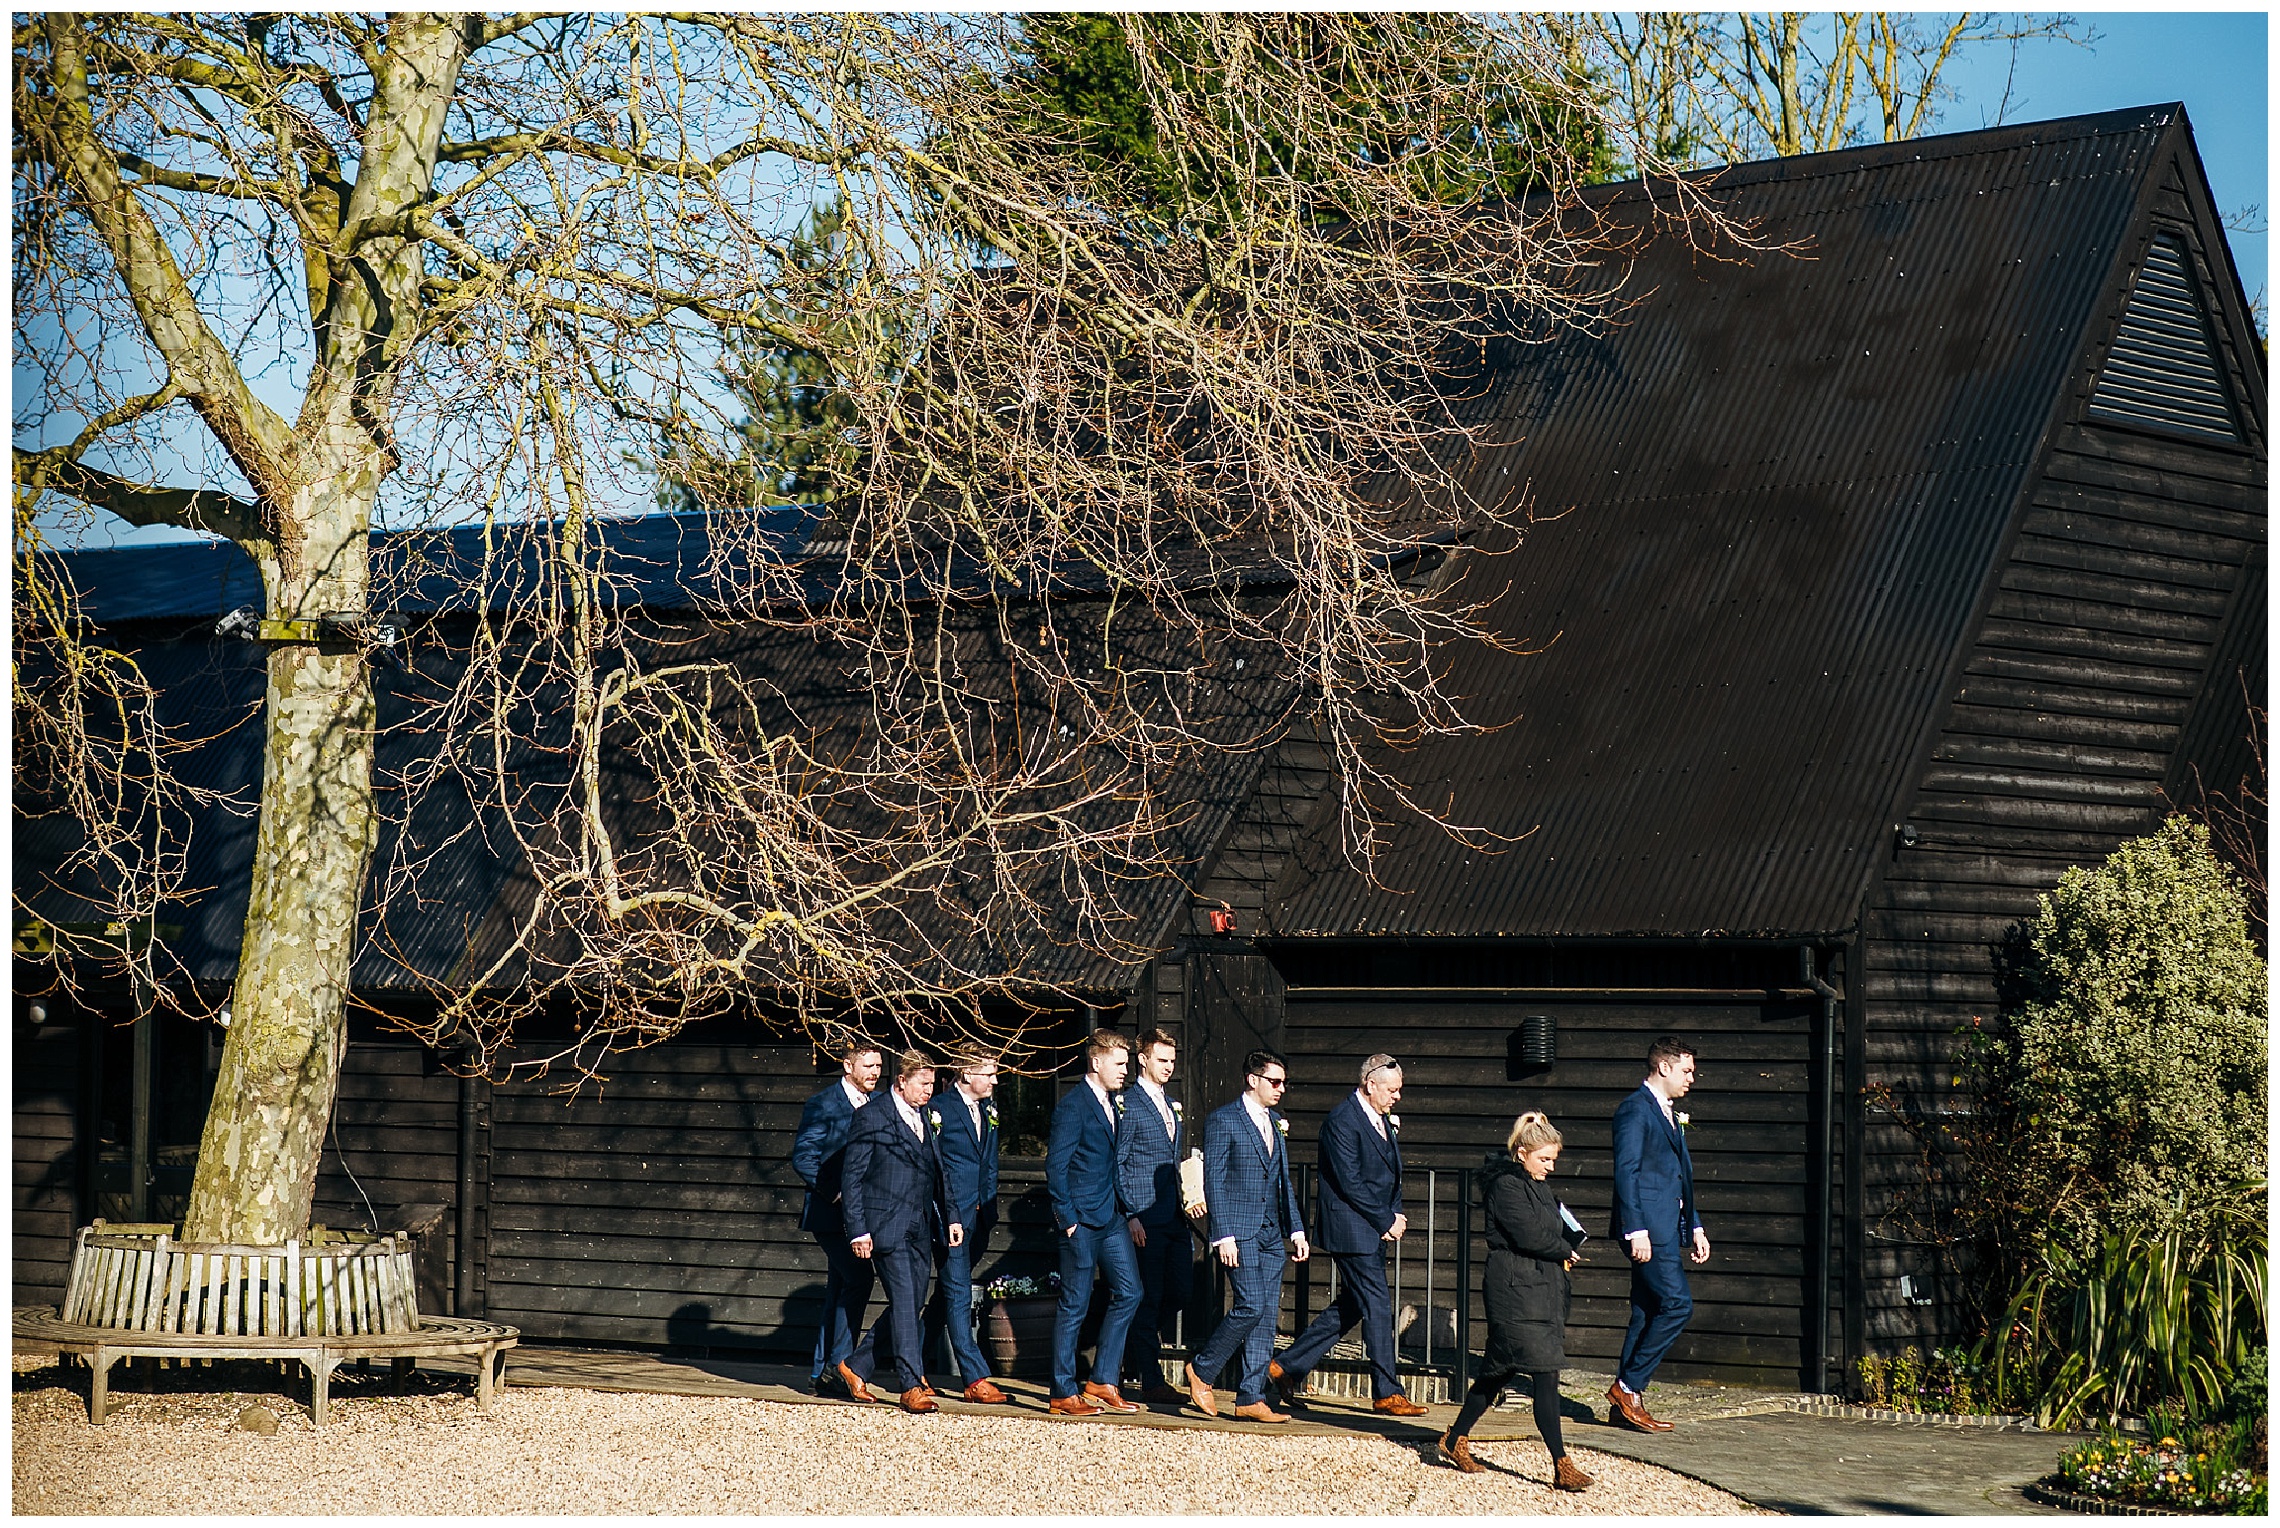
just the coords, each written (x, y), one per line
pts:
(2216, 62)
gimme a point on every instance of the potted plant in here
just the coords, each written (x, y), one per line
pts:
(1019, 1323)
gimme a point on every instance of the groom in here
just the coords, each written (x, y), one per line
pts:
(1655, 1216)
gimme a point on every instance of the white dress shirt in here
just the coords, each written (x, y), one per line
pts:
(856, 1097)
(1106, 1107)
(1163, 1108)
(1370, 1110)
(910, 1118)
(1258, 1113)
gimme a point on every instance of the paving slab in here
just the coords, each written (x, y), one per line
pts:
(1818, 1465)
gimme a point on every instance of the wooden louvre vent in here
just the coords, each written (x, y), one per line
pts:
(2164, 369)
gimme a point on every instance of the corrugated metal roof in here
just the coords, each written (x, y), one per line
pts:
(659, 561)
(449, 883)
(1778, 485)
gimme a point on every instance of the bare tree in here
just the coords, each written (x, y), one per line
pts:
(494, 260)
(1733, 86)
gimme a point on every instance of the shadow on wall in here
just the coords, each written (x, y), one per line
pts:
(691, 1334)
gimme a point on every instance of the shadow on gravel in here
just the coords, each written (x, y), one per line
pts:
(246, 1378)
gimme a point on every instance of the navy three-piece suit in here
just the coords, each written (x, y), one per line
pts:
(892, 1193)
(1080, 1176)
(819, 1152)
(970, 1187)
(1360, 1196)
(1654, 1193)
(1246, 1184)
(1148, 1188)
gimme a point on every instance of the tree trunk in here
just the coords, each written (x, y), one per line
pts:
(265, 1130)
(257, 1159)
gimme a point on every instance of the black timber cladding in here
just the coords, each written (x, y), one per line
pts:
(2122, 642)
(1778, 486)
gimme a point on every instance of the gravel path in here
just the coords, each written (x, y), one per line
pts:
(585, 1451)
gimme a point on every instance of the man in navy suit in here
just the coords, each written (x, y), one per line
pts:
(1359, 1215)
(895, 1211)
(1150, 1140)
(1654, 1218)
(968, 1142)
(1080, 1176)
(818, 1156)
(1253, 1211)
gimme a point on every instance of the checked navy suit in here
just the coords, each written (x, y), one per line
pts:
(893, 1194)
(1246, 1184)
(1148, 1188)
(1080, 1176)
(1654, 1193)
(819, 1156)
(1360, 1195)
(970, 1187)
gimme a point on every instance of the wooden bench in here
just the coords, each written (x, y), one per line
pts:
(135, 1292)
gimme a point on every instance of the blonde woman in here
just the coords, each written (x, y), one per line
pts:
(1526, 1285)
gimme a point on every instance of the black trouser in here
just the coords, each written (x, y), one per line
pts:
(1488, 1387)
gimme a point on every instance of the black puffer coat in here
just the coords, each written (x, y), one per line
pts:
(1526, 1282)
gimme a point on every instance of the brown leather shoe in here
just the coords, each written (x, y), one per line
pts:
(856, 1390)
(1108, 1398)
(1397, 1406)
(1458, 1455)
(1160, 1394)
(1072, 1406)
(923, 1385)
(1260, 1411)
(1200, 1393)
(1566, 1477)
(1631, 1410)
(918, 1403)
(1287, 1385)
(982, 1393)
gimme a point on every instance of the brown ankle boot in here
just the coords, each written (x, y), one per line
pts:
(1458, 1454)
(1566, 1477)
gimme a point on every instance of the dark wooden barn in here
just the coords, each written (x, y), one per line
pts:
(1876, 582)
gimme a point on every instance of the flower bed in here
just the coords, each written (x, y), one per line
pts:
(1950, 1383)
(2212, 1469)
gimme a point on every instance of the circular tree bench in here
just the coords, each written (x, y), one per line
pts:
(135, 1292)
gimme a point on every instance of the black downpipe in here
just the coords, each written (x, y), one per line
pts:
(463, 1284)
(1821, 1080)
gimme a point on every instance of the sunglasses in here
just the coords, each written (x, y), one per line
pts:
(1276, 1082)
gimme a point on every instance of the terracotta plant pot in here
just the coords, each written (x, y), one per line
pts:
(1020, 1333)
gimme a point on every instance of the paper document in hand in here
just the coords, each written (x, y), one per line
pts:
(1191, 1181)
(1573, 1228)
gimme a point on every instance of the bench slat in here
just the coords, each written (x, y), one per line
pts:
(136, 1315)
(114, 1280)
(75, 1286)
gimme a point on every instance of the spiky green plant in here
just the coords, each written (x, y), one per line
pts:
(2144, 1319)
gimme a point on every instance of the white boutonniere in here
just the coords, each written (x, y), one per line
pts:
(1177, 1111)
(1120, 1106)
(1282, 1126)
(934, 1118)
(1683, 1117)
(989, 1112)
(1393, 1123)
